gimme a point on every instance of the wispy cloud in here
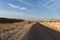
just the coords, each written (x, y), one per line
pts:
(23, 8)
(19, 15)
(18, 7)
(49, 4)
(13, 6)
(10, 14)
(25, 2)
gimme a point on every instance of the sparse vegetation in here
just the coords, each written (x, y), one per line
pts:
(8, 29)
(55, 24)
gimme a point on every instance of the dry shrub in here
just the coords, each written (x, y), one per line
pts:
(52, 24)
(8, 26)
(9, 29)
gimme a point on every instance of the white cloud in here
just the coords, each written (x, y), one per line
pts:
(23, 8)
(18, 7)
(13, 6)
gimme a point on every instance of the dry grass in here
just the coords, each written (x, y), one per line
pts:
(52, 24)
(8, 29)
(14, 25)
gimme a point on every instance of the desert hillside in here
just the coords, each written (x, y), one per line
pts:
(10, 20)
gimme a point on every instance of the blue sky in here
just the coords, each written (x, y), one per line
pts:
(30, 9)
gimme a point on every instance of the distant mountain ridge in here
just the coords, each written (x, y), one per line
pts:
(10, 20)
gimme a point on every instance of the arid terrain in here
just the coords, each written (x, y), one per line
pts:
(9, 27)
(13, 29)
(54, 24)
